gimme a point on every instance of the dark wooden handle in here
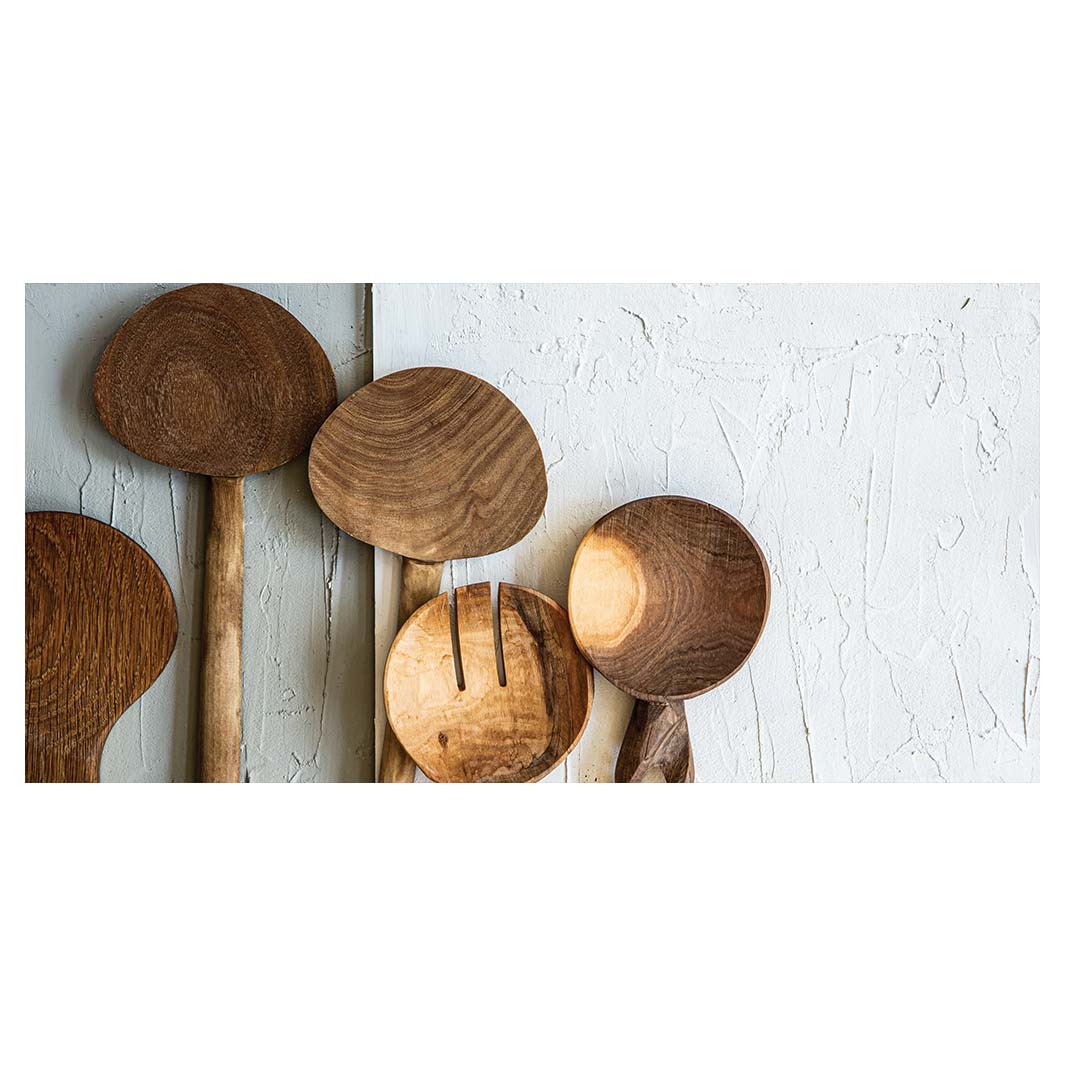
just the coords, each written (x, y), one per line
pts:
(657, 736)
(223, 609)
(419, 582)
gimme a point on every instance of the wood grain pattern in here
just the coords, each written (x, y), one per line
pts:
(217, 380)
(657, 738)
(668, 596)
(488, 731)
(221, 635)
(419, 582)
(214, 379)
(431, 463)
(100, 627)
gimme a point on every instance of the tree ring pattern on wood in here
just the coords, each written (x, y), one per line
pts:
(668, 596)
(430, 463)
(100, 626)
(488, 731)
(214, 379)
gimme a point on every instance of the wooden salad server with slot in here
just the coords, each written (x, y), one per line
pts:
(216, 380)
(433, 464)
(476, 716)
(100, 626)
(667, 598)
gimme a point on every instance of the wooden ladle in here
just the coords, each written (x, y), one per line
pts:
(433, 464)
(221, 381)
(667, 598)
(468, 721)
(100, 626)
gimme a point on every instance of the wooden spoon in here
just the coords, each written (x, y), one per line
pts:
(217, 380)
(667, 598)
(433, 464)
(100, 626)
(464, 721)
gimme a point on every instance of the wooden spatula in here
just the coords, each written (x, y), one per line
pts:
(433, 464)
(667, 598)
(474, 719)
(221, 381)
(100, 626)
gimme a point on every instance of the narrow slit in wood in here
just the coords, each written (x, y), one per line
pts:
(497, 636)
(456, 647)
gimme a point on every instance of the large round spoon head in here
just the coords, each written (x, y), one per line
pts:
(485, 729)
(667, 597)
(431, 463)
(100, 626)
(214, 379)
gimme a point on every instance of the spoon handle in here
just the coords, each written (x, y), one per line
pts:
(223, 609)
(419, 582)
(657, 736)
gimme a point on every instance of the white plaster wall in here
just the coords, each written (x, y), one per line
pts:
(308, 664)
(881, 442)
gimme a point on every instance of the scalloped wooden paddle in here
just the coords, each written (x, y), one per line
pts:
(433, 464)
(100, 627)
(465, 721)
(217, 380)
(667, 598)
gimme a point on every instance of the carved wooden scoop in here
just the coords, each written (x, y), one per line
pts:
(433, 464)
(217, 380)
(667, 598)
(463, 719)
(100, 626)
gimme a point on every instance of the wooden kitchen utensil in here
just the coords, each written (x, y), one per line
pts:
(221, 381)
(100, 626)
(465, 721)
(667, 598)
(433, 464)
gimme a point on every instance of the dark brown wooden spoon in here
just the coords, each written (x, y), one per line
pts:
(433, 464)
(469, 721)
(100, 626)
(217, 380)
(667, 598)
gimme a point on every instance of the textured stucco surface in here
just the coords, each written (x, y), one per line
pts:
(881, 442)
(308, 688)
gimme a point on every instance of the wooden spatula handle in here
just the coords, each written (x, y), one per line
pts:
(223, 610)
(657, 736)
(419, 582)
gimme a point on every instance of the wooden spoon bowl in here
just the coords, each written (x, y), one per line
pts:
(464, 721)
(214, 379)
(100, 626)
(667, 596)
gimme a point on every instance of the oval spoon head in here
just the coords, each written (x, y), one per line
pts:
(214, 379)
(431, 463)
(100, 626)
(668, 596)
(488, 731)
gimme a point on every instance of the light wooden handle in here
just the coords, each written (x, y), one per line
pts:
(657, 736)
(419, 582)
(223, 610)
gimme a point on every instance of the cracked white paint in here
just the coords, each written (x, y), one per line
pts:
(881, 442)
(307, 589)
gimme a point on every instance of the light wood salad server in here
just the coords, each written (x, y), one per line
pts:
(100, 626)
(217, 380)
(667, 598)
(472, 711)
(433, 464)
